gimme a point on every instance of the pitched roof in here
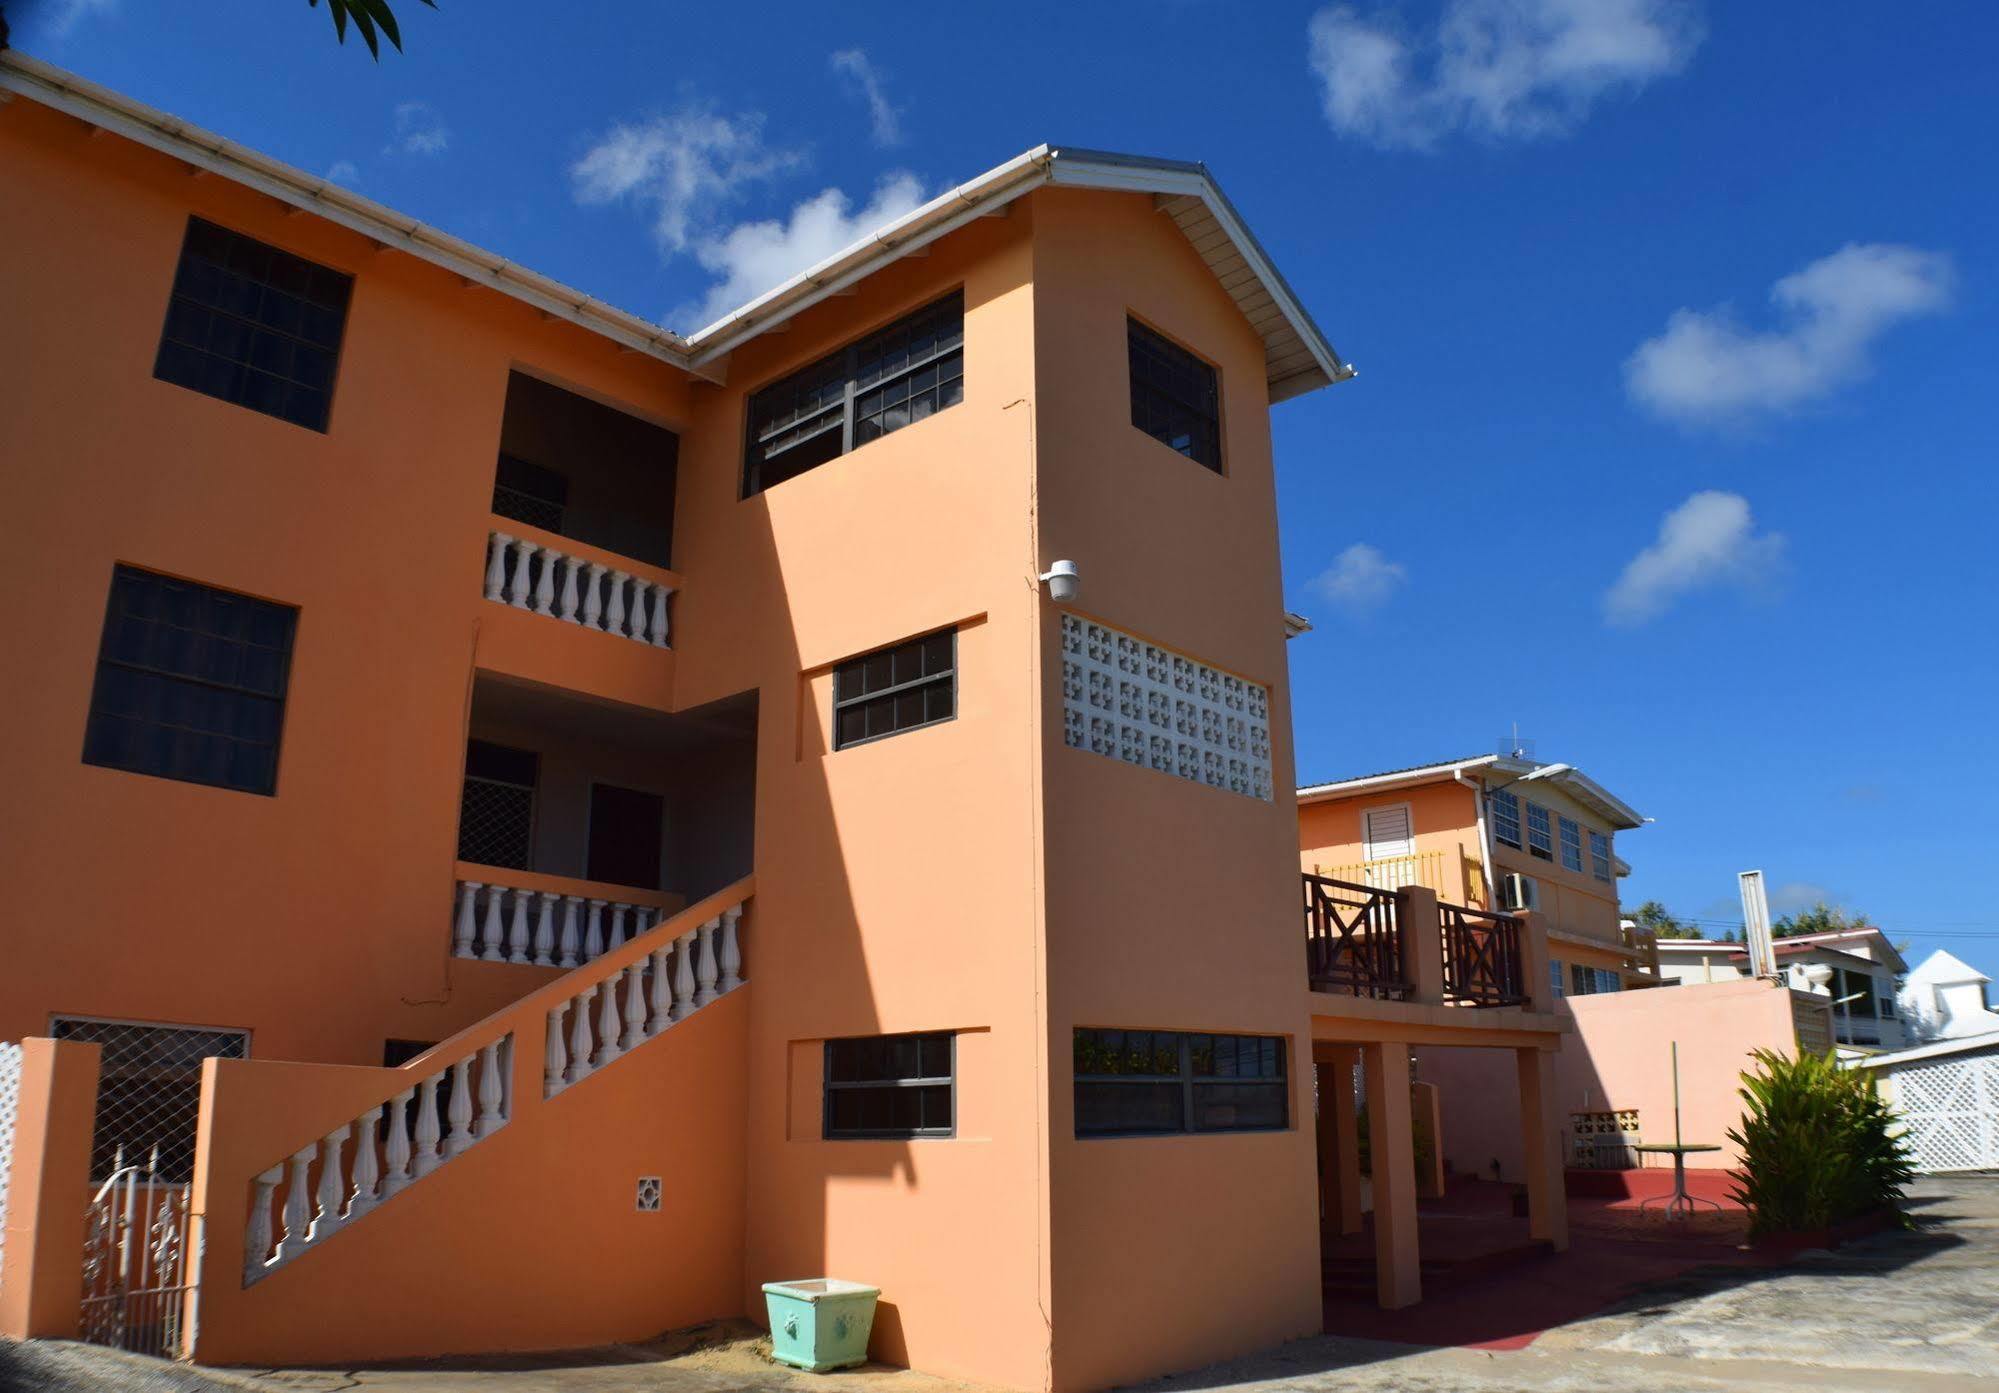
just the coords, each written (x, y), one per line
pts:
(1946, 969)
(1297, 356)
(1566, 776)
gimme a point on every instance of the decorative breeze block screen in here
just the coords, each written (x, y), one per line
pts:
(1140, 703)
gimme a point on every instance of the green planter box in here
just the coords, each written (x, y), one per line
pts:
(820, 1323)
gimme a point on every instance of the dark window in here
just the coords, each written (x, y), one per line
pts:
(190, 683)
(496, 809)
(529, 493)
(1540, 836)
(890, 1086)
(254, 325)
(1174, 398)
(1134, 1082)
(149, 1090)
(912, 369)
(1599, 856)
(896, 689)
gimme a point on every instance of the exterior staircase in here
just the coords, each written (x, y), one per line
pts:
(459, 1094)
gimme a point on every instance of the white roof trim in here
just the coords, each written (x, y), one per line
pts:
(1374, 783)
(1989, 1040)
(1298, 356)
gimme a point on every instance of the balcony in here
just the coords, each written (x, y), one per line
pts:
(580, 535)
(582, 823)
(1404, 945)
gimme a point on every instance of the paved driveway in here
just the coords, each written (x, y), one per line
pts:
(1913, 1312)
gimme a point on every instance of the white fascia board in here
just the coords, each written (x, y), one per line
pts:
(1099, 170)
(1960, 1045)
(1375, 783)
(111, 111)
(919, 228)
(1591, 792)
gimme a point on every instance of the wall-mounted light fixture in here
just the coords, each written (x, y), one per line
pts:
(1063, 581)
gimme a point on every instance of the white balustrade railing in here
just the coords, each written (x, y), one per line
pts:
(535, 576)
(622, 1010)
(606, 1012)
(356, 1173)
(546, 928)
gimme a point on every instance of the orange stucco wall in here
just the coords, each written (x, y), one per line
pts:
(319, 919)
(1203, 938)
(1620, 1056)
(975, 876)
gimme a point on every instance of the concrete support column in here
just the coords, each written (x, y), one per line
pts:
(1339, 1142)
(1422, 942)
(1426, 1102)
(41, 1290)
(1398, 1279)
(1534, 961)
(1541, 1148)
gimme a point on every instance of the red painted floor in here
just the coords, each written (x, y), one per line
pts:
(1487, 1287)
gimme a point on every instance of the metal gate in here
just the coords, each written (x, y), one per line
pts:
(135, 1261)
(1951, 1106)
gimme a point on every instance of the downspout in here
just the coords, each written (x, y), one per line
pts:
(1484, 835)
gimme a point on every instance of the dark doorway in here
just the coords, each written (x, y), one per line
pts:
(625, 830)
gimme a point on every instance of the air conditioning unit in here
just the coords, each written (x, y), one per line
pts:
(1519, 892)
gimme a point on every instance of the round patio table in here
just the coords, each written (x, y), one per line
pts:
(1679, 1204)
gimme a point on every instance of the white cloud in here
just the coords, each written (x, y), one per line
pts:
(419, 131)
(1502, 69)
(1708, 541)
(65, 15)
(344, 172)
(1707, 369)
(1359, 580)
(1797, 896)
(686, 166)
(755, 256)
(854, 64)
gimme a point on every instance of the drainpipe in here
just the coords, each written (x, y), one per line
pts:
(1484, 837)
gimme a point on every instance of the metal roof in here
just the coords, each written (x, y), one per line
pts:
(1298, 358)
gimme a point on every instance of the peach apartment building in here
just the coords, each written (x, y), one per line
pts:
(1489, 830)
(534, 824)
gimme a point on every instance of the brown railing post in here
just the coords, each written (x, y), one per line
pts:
(1422, 942)
(1535, 983)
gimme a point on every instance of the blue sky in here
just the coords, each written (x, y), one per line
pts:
(1673, 437)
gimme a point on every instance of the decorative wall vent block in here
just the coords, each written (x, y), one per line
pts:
(648, 1199)
(1144, 705)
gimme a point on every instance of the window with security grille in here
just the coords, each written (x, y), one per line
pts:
(191, 683)
(1599, 856)
(1153, 1082)
(1540, 833)
(896, 689)
(891, 1086)
(895, 377)
(1505, 817)
(496, 810)
(1572, 845)
(1175, 397)
(529, 493)
(254, 325)
(148, 1089)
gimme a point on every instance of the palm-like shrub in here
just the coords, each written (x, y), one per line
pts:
(1818, 1145)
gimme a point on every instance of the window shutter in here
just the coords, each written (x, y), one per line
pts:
(1387, 834)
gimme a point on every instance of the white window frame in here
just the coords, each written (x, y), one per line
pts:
(1367, 852)
(1600, 864)
(1542, 852)
(1500, 799)
(1563, 827)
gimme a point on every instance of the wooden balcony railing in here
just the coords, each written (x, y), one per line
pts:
(1353, 940)
(1453, 875)
(1483, 964)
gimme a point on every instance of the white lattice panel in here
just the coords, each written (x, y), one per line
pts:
(1951, 1107)
(1140, 703)
(10, 1111)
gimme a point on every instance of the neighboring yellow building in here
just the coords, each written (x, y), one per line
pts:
(1492, 831)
